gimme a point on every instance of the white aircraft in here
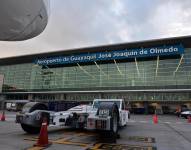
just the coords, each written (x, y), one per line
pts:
(22, 19)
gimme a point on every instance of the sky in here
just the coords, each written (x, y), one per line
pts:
(85, 23)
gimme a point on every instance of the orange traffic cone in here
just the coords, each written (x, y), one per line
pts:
(155, 119)
(43, 137)
(189, 119)
(3, 116)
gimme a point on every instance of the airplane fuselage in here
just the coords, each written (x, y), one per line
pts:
(22, 19)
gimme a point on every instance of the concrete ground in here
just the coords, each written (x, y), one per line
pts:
(171, 133)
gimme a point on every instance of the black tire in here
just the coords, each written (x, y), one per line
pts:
(32, 106)
(114, 122)
(29, 129)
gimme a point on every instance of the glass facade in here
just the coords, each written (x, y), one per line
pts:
(151, 74)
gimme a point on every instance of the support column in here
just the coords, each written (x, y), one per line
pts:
(30, 97)
(64, 97)
(100, 95)
(2, 99)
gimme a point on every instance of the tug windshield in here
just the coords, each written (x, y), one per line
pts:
(97, 103)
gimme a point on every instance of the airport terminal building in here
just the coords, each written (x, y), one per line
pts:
(146, 74)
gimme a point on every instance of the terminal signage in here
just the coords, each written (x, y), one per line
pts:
(117, 54)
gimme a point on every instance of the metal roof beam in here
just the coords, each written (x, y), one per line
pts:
(137, 67)
(157, 66)
(118, 68)
(180, 62)
(85, 71)
(100, 69)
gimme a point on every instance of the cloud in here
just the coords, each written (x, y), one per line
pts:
(83, 23)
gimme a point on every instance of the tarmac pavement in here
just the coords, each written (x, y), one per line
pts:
(171, 133)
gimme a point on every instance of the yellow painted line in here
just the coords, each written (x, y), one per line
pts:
(34, 139)
(96, 147)
(69, 132)
(36, 148)
(104, 146)
(31, 139)
(61, 141)
(90, 134)
(79, 134)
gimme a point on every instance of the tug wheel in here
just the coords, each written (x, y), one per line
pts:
(30, 129)
(28, 108)
(114, 114)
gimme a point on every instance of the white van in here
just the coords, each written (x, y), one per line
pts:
(11, 106)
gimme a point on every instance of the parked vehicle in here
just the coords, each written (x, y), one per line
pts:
(104, 115)
(181, 109)
(185, 114)
(11, 106)
(15, 105)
